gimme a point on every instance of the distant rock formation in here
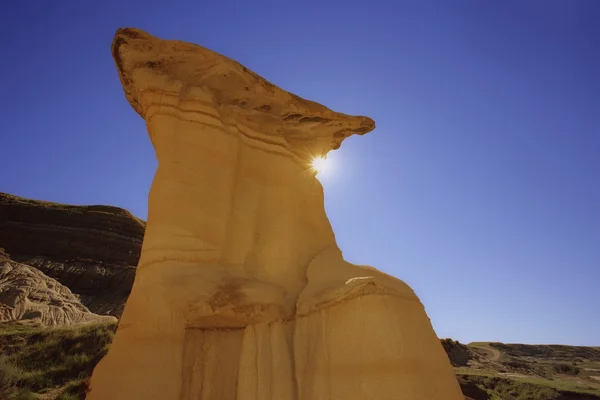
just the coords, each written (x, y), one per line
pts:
(92, 250)
(28, 294)
(241, 291)
(458, 353)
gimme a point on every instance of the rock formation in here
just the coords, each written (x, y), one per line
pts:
(27, 294)
(458, 353)
(92, 250)
(241, 291)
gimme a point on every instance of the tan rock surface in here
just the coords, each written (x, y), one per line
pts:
(28, 294)
(241, 291)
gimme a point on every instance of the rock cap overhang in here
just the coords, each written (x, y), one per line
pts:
(146, 63)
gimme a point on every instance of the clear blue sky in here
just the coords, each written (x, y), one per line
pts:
(480, 186)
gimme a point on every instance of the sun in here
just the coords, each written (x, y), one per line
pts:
(319, 164)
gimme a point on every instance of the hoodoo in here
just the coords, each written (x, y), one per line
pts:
(241, 291)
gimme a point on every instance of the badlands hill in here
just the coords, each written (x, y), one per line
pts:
(92, 250)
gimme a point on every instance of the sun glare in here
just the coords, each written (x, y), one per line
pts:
(319, 164)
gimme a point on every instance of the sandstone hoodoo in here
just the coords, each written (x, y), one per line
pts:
(241, 291)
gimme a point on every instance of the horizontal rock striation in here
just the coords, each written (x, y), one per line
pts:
(102, 287)
(241, 292)
(93, 250)
(62, 232)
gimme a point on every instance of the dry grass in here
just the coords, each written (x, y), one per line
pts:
(37, 360)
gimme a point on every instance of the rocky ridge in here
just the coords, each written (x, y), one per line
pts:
(92, 250)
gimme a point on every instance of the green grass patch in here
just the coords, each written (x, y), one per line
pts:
(36, 359)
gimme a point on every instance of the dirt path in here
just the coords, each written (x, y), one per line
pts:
(495, 353)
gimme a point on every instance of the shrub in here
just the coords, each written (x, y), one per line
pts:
(567, 369)
(25, 394)
(8, 378)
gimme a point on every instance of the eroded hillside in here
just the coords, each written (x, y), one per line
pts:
(93, 250)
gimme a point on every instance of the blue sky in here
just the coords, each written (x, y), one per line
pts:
(480, 186)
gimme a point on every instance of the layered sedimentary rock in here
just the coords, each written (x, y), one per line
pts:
(92, 250)
(28, 294)
(241, 291)
(458, 353)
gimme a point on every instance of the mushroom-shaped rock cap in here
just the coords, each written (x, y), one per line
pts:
(151, 68)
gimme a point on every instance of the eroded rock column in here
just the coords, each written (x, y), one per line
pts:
(241, 291)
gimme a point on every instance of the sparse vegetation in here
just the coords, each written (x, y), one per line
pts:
(529, 387)
(36, 360)
(537, 372)
(8, 379)
(56, 363)
(563, 368)
(554, 352)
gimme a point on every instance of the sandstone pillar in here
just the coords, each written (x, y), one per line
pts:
(241, 291)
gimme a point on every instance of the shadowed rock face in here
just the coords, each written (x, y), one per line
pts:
(92, 250)
(241, 291)
(60, 231)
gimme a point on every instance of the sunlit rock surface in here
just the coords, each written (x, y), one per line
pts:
(27, 294)
(241, 291)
